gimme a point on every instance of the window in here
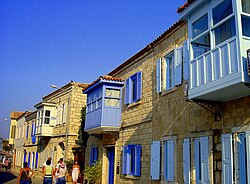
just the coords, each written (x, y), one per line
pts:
(245, 6)
(133, 89)
(224, 31)
(41, 117)
(13, 131)
(221, 11)
(93, 155)
(201, 45)
(47, 117)
(170, 70)
(27, 131)
(201, 157)
(169, 160)
(131, 160)
(200, 26)
(94, 100)
(245, 21)
(112, 97)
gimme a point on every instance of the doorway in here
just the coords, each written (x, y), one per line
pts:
(111, 162)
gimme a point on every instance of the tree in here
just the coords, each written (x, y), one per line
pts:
(84, 134)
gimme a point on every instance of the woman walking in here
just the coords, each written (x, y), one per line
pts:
(75, 172)
(24, 176)
(48, 173)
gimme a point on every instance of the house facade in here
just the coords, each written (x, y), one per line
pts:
(58, 122)
(185, 103)
(30, 141)
(13, 127)
(19, 154)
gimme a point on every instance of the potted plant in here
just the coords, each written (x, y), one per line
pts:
(69, 163)
(93, 174)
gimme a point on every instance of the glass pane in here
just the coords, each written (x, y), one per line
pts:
(47, 113)
(221, 11)
(246, 6)
(99, 103)
(46, 120)
(200, 26)
(245, 25)
(224, 31)
(112, 93)
(112, 102)
(88, 107)
(201, 45)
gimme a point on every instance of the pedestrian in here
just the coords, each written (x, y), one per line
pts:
(24, 176)
(48, 173)
(61, 171)
(44, 165)
(55, 173)
(6, 164)
(75, 172)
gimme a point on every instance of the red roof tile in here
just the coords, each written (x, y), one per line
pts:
(15, 115)
(106, 78)
(183, 7)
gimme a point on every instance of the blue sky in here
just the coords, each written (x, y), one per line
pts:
(52, 42)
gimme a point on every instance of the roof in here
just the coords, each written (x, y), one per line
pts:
(105, 78)
(183, 7)
(15, 115)
(148, 47)
(65, 87)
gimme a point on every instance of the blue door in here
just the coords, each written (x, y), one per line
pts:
(111, 157)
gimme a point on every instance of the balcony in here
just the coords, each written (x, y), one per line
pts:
(44, 130)
(103, 112)
(217, 75)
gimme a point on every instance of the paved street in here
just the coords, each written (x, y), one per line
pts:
(10, 177)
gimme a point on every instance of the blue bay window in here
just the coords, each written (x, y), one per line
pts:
(131, 160)
(93, 155)
(133, 88)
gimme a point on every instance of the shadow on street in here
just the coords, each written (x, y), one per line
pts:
(6, 176)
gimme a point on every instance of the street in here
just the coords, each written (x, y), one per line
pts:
(10, 177)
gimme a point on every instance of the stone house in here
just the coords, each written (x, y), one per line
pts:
(13, 124)
(58, 122)
(30, 142)
(184, 104)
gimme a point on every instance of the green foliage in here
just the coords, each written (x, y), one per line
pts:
(69, 163)
(93, 174)
(85, 135)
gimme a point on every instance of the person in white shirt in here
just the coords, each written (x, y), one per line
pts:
(61, 170)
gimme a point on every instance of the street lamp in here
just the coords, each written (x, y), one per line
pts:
(66, 135)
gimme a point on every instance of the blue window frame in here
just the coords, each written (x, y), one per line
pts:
(170, 70)
(93, 155)
(133, 88)
(132, 160)
(112, 97)
(94, 100)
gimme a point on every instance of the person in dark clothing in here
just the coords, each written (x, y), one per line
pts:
(25, 174)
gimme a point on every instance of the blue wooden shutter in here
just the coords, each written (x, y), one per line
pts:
(91, 157)
(204, 143)
(178, 65)
(158, 75)
(27, 131)
(227, 159)
(170, 160)
(248, 155)
(155, 160)
(36, 166)
(165, 160)
(32, 130)
(242, 159)
(124, 160)
(126, 98)
(137, 160)
(186, 59)
(95, 154)
(29, 159)
(197, 159)
(186, 161)
(139, 86)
